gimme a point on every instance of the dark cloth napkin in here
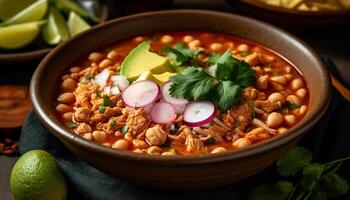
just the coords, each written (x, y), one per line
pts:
(328, 140)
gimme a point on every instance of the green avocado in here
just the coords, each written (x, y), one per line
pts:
(141, 59)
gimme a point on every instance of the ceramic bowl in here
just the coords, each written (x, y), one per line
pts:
(179, 172)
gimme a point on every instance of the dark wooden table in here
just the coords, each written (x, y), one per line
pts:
(333, 43)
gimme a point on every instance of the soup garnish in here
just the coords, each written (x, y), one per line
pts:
(181, 93)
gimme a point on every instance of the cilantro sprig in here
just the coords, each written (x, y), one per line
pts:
(181, 55)
(317, 181)
(224, 89)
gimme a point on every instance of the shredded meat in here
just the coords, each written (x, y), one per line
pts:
(240, 117)
(250, 93)
(137, 121)
(267, 106)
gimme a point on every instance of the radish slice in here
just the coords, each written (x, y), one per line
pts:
(179, 104)
(141, 94)
(199, 113)
(163, 113)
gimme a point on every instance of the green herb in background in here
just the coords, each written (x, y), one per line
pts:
(107, 101)
(316, 181)
(124, 129)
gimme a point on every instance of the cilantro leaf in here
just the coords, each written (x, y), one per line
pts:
(294, 161)
(191, 84)
(243, 75)
(227, 94)
(279, 191)
(334, 185)
(311, 175)
(224, 59)
(223, 72)
(124, 129)
(101, 109)
(181, 54)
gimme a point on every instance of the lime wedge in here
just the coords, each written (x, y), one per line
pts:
(55, 31)
(34, 12)
(8, 9)
(19, 35)
(68, 5)
(76, 24)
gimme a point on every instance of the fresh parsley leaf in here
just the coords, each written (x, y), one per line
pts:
(101, 109)
(279, 191)
(181, 54)
(107, 101)
(71, 124)
(294, 161)
(334, 185)
(227, 94)
(311, 175)
(124, 129)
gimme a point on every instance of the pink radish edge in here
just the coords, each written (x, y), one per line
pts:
(133, 95)
(163, 113)
(201, 122)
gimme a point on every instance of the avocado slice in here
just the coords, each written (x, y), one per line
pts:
(158, 78)
(141, 59)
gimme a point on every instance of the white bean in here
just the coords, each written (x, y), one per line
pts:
(297, 84)
(274, 119)
(242, 142)
(290, 119)
(218, 150)
(121, 144)
(276, 97)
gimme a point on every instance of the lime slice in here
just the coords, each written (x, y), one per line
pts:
(68, 5)
(76, 24)
(55, 31)
(19, 35)
(8, 9)
(34, 12)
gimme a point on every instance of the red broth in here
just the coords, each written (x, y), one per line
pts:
(279, 100)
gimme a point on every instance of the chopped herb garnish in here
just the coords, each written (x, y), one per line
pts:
(98, 93)
(223, 90)
(292, 106)
(113, 122)
(86, 78)
(211, 140)
(165, 145)
(101, 109)
(181, 55)
(318, 181)
(245, 53)
(124, 129)
(71, 124)
(107, 101)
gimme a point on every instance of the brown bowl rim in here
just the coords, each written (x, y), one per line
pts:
(39, 53)
(59, 131)
(261, 5)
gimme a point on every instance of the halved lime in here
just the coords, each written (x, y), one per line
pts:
(68, 5)
(76, 24)
(19, 35)
(8, 9)
(55, 31)
(34, 12)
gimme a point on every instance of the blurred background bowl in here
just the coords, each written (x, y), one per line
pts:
(292, 20)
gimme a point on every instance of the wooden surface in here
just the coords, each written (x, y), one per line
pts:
(333, 43)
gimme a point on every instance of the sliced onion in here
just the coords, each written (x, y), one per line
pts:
(120, 81)
(115, 90)
(198, 113)
(102, 77)
(141, 94)
(163, 113)
(259, 123)
(179, 104)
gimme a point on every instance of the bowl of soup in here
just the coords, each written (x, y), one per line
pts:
(182, 99)
(298, 15)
